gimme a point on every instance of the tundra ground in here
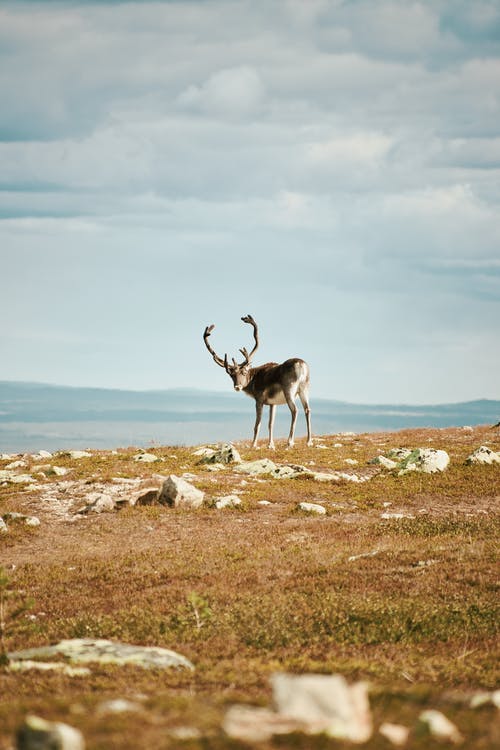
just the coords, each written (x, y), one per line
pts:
(409, 603)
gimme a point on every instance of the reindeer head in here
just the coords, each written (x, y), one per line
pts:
(239, 373)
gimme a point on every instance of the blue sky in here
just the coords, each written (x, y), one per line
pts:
(330, 167)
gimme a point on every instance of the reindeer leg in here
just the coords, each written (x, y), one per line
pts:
(258, 418)
(293, 408)
(272, 413)
(304, 398)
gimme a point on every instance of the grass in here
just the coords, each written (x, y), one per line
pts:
(244, 593)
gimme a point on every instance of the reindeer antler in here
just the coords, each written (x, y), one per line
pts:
(248, 357)
(221, 362)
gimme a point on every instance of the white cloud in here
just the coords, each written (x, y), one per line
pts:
(234, 92)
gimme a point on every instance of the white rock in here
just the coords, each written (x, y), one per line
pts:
(440, 726)
(482, 455)
(387, 516)
(228, 501)
(38, 734)
(325, 703)
(42, 454)
(484, 698)
(263, 502)
(17, 465)
(252, 724)
(12, 478)
(387, 463)
(118, 706)
(312, 508)
(351, 461)
(147, 458)
(178, 493)
(98, 502)
(427, 460)
(79, 454)
(59, 471)
(3, 526)
(397, 734)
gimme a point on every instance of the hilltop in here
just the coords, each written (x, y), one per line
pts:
(394, 583)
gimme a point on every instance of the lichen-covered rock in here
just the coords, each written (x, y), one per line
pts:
(88, 650)
(226, 453)
(483, 455)
(427, 460)
(38, 734)
(147, 458)
(178, 493)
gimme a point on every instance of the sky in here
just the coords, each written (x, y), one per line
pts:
(330, 167)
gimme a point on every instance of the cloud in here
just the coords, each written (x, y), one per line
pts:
(234, 92)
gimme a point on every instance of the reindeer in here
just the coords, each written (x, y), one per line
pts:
(270, 384)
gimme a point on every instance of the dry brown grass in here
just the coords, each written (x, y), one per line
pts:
(273, 590)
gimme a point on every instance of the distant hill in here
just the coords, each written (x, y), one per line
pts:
(35, 415)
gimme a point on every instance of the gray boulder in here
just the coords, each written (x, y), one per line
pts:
(178, 493)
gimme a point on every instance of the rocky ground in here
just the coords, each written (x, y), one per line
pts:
(369, 560)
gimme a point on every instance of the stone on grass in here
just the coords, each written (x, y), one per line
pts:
(226, 453)
(118, 706)
(326, 704)
(255, 468)
(312, 508)
(228, 501)
(427, 460)
(17, 465)
(98, 502)
(38, 734)
(482, 455)
(439, 726)
(79, 454)
(484, 698)
(397, 734)
(48, 666)
(89, 650)
(178, 493)
(28, 520)
(147, 458)
(3, 526)
(253, 724)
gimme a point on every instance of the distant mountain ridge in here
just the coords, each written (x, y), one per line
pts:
(67, 416)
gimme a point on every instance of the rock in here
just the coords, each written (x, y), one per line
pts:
(251, 724)
(98, 502)
(256, 468)
(147, 458)
(264, 502)
(79, 454)
(439, 726)
(148, 496)
(397, 516)
(88, 650)
(17, 465)
(351, 461)
(427, 460)
(387, 463)
(39, 734)
(312, 508)
(374, 552)
(41, 454)
(118, 706)
(484, 698)
(178, 493)
(229, 501)
(3, 526)
(226, 453)
(482, 455)
(28, 520)
(397, 734)
(10, 477)
(325, 704)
